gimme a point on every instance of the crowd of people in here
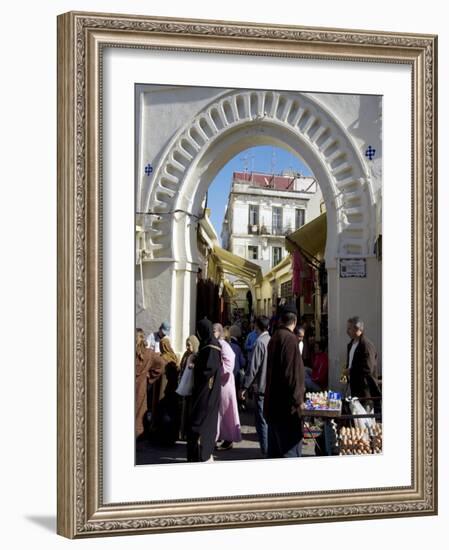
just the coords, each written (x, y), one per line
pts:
(199, 398)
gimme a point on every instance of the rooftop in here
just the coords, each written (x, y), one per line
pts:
(295, 182)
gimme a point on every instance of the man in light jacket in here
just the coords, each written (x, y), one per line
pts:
(255, 377)
(361, 364)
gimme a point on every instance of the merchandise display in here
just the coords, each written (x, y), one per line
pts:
(323, 401)
(312, 431)
(333, 429)
(357, 441)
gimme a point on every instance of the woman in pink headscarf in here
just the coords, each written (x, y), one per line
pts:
(228, 415)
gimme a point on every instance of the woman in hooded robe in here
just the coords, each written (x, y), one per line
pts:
(228, 414)
(148, 364)
(170, 380)
(202, 424)
(187, 364)
(165, 398)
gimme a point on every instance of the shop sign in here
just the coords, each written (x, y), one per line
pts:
(352, 267)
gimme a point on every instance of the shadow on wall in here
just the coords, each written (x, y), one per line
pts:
(367, 123)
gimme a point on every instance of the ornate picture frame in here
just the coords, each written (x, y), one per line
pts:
(82, 510)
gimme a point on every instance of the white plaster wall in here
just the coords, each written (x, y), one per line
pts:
(349, 297)
(157, 288)
(264, 244)
(185, 277)
(362, 117)
(159, 110)
(265, 214)
(239, 216)
(314, 207)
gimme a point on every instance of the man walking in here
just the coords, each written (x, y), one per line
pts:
(256, 378)
(302, 344)
(361, 367)
(284, 393)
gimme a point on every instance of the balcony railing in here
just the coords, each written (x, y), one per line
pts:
(276, 230)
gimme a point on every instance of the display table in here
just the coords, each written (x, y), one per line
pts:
(321, 413)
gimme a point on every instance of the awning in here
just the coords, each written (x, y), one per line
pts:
(235, 265)
(310, 238)
(229, 288)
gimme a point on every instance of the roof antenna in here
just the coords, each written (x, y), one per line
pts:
(273, 161)
(245, 160)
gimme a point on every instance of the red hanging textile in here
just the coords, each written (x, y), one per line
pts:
(303, 278)
(308, 286)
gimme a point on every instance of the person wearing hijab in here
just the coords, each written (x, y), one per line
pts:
(202, 424)
(188, 359)
(228, 415)
(165, 398)
(186, 382)
(170, 382)
(148, 365)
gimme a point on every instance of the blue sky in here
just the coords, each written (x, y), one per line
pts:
(257, 159)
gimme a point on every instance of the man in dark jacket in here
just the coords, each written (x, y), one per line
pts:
(361, 366)
(255, 378)
(284, 393)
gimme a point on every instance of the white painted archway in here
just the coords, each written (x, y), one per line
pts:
(241, 119)
(236, 120)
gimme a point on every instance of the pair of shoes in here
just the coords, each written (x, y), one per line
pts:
(226, 445)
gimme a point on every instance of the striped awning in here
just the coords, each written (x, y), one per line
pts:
(235, 265)
(310, 238)
(229, 288)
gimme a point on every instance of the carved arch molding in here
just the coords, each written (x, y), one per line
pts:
(345, 180)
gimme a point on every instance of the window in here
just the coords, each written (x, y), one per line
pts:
(300, 217)
(286, 290)
(277, 220)
(277, 255)
(252, 252)
(253, 218)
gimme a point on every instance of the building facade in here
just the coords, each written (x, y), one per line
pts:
(262, 209)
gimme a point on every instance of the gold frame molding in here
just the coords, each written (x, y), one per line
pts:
(81, 37)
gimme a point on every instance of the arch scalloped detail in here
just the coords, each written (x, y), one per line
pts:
(348, 185)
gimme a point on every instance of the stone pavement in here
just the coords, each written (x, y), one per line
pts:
(247, 449)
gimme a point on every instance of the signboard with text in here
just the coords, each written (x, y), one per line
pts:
(352, 267)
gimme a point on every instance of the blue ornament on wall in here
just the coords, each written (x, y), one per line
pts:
(370, 152)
